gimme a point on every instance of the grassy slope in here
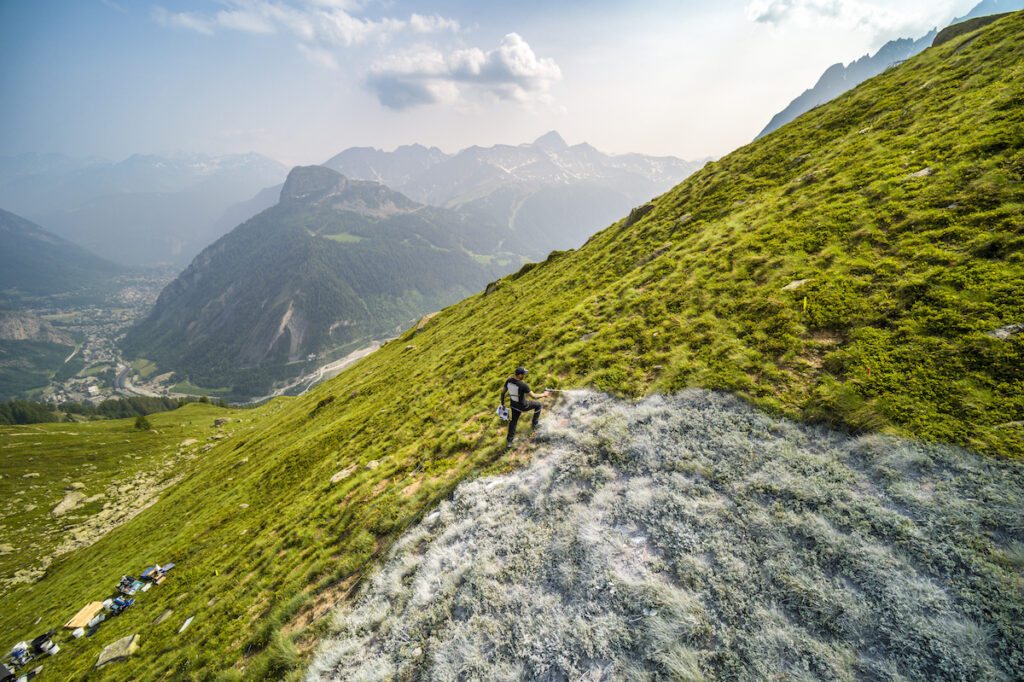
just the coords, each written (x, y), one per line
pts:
(669, 301)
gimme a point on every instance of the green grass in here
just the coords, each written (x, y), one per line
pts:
(96, 369)
(343, 237)
(188, 388)
(103, 456)
(144, 368)
(907, 275)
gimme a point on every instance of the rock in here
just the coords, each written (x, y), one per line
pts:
(70, 501)
(75, 486)
(372, 464)
(795, 284)
(923, 173)
(206, 448)
(30, 475)
(6, 548)
(121, 649)
(30, 507)
(221, 422)
(342, 475)
(1007, 332)
(163, 616)
(243, 506)
(187, 442)
(637, 213)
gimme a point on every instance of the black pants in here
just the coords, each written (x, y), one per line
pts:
(516, 411)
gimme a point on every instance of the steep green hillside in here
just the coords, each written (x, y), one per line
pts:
(907, 274)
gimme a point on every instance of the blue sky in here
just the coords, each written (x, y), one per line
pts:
(300, 80)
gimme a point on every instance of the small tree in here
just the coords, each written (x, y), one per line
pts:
(205, 399)
(142, 423)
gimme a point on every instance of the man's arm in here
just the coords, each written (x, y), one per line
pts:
(504, 392)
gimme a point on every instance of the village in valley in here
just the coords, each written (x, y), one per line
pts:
(94, 371)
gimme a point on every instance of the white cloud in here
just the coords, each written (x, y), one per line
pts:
(316, 55)
(432, 24)
(185, 20)
(424, 75)
(845, 14)
(318, 24)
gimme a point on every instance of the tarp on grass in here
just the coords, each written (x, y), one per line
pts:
(83, 617)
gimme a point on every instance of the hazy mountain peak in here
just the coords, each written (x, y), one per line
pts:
(308, 181)
(551, 141)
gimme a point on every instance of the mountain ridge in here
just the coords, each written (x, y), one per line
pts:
(838, 78)
(550, 195)
(167, 205)
(37, 262)
(334, 262)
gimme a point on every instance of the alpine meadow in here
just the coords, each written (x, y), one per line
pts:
(790, 448)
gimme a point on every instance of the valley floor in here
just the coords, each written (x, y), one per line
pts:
(695, 537)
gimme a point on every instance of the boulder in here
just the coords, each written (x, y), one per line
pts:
(1007, 332)
(795, 284)
(119, 650)
(71, 501)
(342, 475)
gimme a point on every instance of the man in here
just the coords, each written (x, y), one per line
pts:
(518, 392)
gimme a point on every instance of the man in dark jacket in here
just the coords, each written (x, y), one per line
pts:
(518, 392)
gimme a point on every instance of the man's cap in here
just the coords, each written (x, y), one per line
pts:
(521, 370)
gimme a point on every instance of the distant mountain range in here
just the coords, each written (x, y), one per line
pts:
(143, 210)
(837, 78)
(334, 262)
(35, 262)
(548, 195)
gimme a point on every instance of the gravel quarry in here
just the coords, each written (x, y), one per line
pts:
(694, 537)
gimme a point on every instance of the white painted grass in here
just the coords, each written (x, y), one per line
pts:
(693, 537)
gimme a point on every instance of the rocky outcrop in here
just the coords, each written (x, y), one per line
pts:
(306, 183)
(21, 326)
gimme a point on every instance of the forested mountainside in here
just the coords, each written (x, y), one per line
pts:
(36, 262)
(335, 262)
